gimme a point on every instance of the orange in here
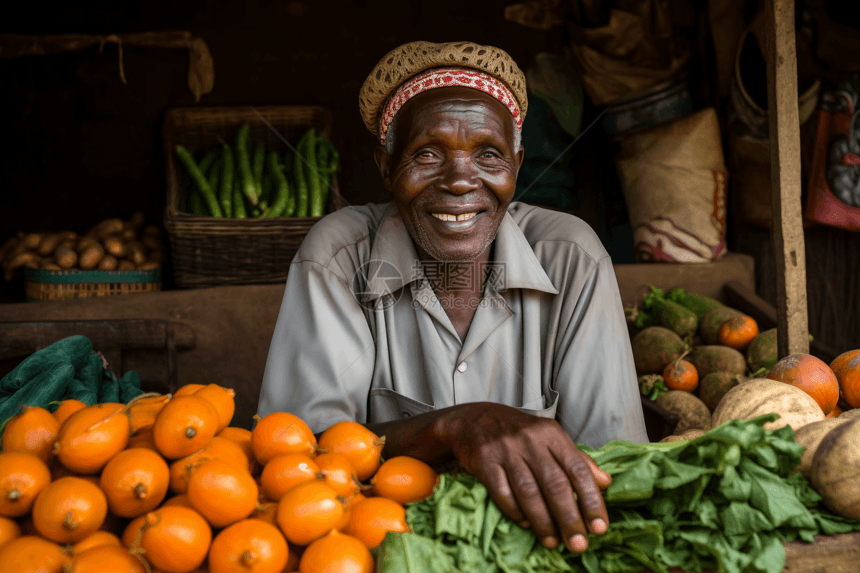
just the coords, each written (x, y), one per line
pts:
(310, 510)
(142, 438)
(95, 540)
(188, 390)
(242, 438)
(284, 472)
(91, 436)
(66, 408)
(846, 368)
(22, 477)
(338, 472)
(184, 425)
(175, 538)
(222, 399)
(9, 530)
(143, 411)
(404, 479)
(361, 446)
(32, 430)
(69, 509)
(811, 375)
(134, 482)
(217, 449)
(372, 518)
(336, 552)
(181, 500)
(248, 546)
(681, 375)
(103, 558)
(133, 532)
(31, 553)
(738, 332)
(281, 433)
(222, 493)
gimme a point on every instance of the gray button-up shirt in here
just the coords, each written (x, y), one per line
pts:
(362, 336)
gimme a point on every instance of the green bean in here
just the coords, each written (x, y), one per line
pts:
(282, 195)
(299, 173)
(214, 178)
(202, 184)
(208, 160)
(257, 167)
(245, 174)
(314, 183)
(226, 194)
(266, 195)
(238, 203)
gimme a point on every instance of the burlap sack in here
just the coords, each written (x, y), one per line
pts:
(674, 181)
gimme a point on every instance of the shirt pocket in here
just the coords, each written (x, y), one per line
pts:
(552, 397)
(386, 405)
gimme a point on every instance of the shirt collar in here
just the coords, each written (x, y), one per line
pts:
(394, 262)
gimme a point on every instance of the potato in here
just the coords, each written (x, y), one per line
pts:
(685, 437)
(148, 266)
(114, 245)
(157, 256)
(137, 252)
(51, 267)
(24, 259)
(91, 256)
(152, 243)
(18, 249)
(65, 257)
(106, 228)
(762, 352)
(126, 265)
(84, 243)
(108, 263)
(49, 243)
(128, 233)
(32, 240)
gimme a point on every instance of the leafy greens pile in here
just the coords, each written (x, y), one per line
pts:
(725, 501)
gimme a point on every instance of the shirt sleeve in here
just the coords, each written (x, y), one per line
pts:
(321, 358)
(599, 397)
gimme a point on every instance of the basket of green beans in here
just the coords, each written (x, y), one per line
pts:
(245, 185)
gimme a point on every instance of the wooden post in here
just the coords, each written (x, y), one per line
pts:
(784, 134)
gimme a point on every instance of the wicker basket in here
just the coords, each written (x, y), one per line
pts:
(57, 285)
(210, 251)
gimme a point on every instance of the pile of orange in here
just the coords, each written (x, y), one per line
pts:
(164, 484)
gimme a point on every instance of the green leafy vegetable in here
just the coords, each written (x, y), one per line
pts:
(726, 501)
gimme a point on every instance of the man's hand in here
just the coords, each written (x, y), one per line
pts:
(532, 470)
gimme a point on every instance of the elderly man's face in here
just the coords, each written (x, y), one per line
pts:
(452, 171)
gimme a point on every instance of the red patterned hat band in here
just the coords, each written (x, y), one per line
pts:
(446, 78)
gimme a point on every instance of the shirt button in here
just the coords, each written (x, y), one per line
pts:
(462, 367)
(406, 414)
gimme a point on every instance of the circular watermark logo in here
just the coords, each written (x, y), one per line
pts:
(377, 284)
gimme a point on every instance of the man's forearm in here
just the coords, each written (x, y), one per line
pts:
(428, 437)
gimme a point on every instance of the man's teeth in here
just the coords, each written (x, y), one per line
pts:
(450, 217)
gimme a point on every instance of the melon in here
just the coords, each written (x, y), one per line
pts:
(684, 437)
(810, 436)
(849, 414)
(759, 396)
(836, 470)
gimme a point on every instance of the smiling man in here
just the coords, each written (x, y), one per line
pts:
(454, 321)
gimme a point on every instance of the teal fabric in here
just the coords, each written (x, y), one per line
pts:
(725, 501)
(66, 369)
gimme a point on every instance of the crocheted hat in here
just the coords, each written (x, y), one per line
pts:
(403, 62)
